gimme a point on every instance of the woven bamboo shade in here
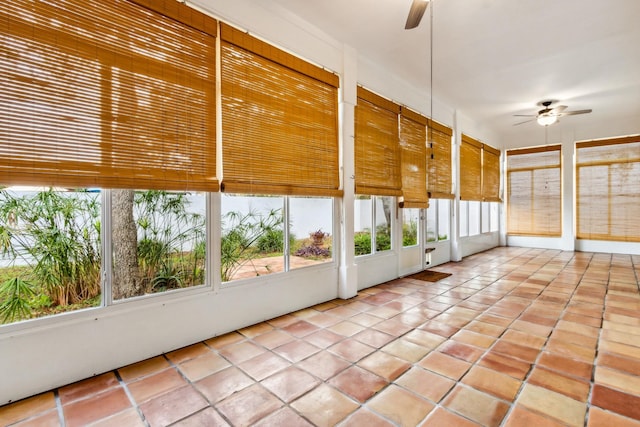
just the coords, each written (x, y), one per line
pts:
(377, 148)
(107, 94)
(413, 153)
(534, 191)
(490, 174)
(439, 181)
(608, 189)
(279, 121)
(470, 169)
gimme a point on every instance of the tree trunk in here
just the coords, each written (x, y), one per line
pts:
(386, 207)
(126, 275)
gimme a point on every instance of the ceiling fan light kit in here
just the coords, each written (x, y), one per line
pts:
(547, 119)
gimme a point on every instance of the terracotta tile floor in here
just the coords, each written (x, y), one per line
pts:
(515, 337)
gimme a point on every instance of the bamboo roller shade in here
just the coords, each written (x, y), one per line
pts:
(413, 153)
(534, 191)
(377, 151)
(479, 171)
(490, 174)
(439, 181)
(608, 189)
(107, 94)
(279, 121)
(470, 169)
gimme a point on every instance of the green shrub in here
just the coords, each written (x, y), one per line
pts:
(362, 242)
(167, 277)
(15, 294)
(240, 235)
(383, 238)
(272, 241)
(410, 233)
(171, 240)
(58, 235)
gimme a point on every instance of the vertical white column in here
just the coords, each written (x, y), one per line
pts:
(568, 192)
(502, 226)
(456, 250)
(214, 200)
(348, 270)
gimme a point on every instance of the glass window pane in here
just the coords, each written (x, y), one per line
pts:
(363, 211)
(432, 223)
(410, 220)
(252, 241)
(495, 216)
(444, 218)
(383, 214)
(464, 218)
(607, 191)
(158, 240)
(310, 231)
(49, 252)
(474, 218)
(485, 217)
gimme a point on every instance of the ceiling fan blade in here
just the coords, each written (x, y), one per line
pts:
(521, 123)
(525, 115)
(573, 113)
(558, 109)
(415, 13)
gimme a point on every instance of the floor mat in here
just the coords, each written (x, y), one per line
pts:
(428, 276)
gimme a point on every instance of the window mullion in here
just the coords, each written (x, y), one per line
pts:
(285, 233)
(374, 200)
(106, 247)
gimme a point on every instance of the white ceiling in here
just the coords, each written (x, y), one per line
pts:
(496, 58)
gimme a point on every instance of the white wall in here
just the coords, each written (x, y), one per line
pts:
(47, 353)
(479, 243)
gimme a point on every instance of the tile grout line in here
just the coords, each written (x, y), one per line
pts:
(351, 364)
(414, 364)
(542, 349)
(292, 363)
(61, 419)
(130, 397)
(193, 386)
(597, 349)
(532, 365)
(486, 351)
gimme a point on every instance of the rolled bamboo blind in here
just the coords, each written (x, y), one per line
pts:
(490, 174)
(534, 191)
(608, 189)
(279, 121)
(470, 169)
(107, 94)
(377, 148)
(439, 182)
(413, 151)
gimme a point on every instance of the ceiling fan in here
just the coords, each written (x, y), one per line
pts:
(415, 13)
(547, 115)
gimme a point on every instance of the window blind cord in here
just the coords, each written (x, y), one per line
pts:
(431, 77)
